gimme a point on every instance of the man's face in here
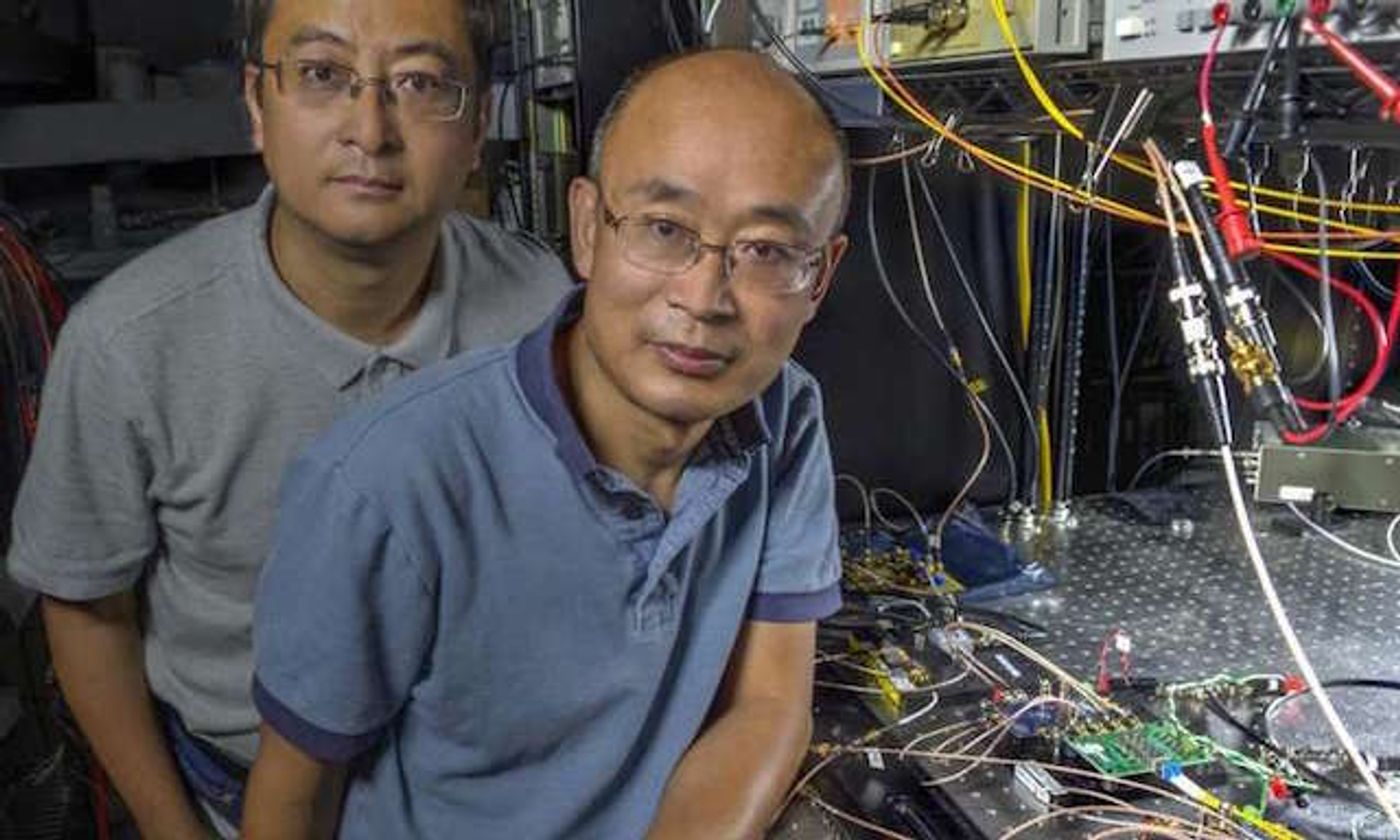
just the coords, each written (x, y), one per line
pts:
(358, 171)
(694, 345)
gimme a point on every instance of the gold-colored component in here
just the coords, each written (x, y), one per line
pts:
(948, 16)
(1250, 362)
(889, 668)
(893, 570)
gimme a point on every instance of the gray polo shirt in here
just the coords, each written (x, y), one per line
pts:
(179, 389)
(511, 637)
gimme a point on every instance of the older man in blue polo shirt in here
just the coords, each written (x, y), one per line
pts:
(568, 587)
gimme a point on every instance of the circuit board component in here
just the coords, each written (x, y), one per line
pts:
(1134, 748)
(890, 668)
(892, 568)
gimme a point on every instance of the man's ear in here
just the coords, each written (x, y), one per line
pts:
(583, 224)
(827, 276)
(252, 100)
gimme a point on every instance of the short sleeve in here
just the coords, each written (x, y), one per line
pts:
(84, 527)
(342, 620)
(799, 576)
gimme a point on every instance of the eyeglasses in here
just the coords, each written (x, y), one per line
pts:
(418, 95)
(656, 243)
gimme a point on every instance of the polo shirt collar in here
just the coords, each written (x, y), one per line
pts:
(735, 434)
(342, 358)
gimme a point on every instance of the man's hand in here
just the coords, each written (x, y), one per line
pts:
(97, 654)
(731, 781)
(290, 794)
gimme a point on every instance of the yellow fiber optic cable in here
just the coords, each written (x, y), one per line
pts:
(1033, 81)
(1335, 253)
(1047, 466)
(995, 161)
(1128, 162)
(1053, 185)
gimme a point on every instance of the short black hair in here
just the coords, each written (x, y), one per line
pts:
(638, 77)
(481, 33)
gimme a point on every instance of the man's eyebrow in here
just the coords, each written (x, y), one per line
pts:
(783, 214)
(437, 49)
(316, 35)
(659, 189)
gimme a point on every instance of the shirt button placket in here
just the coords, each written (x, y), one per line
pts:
(376, 375)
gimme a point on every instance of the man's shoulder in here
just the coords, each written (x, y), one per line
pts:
(792, 402)
(168, 278)
(508, 280)
(494, 239)
(417, 415)
(796, 380)
(504, 259)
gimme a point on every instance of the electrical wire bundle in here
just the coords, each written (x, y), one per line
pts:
(1041, 469)
(31, 310)
(1254, 348)
(1235, 242)
(971, 736)
(1222, 241)
(1298, 769)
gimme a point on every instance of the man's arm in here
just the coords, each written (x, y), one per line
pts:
(97, 654)
(732, 780)
(326, 699)
(291, 796)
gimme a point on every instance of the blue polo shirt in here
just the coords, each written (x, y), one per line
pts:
(507, 638)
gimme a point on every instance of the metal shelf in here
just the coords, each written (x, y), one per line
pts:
(74, 134)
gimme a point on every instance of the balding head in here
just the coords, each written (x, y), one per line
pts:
(737, 90)
(708, 236)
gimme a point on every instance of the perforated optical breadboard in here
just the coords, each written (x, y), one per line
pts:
(1192, 604)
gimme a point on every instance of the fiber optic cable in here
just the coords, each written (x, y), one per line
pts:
(895, 90)
(1054, 111)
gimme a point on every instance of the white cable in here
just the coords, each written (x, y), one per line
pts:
(1295, 647)
(903, 500)
(710, 18)
(916, 232)
(972, 299)
(1346, 546)
(1162, 456)
(854, 689)
(1102, 704)
(887, 603)
(978, 406)
(915, 715)
(1390, 539)
(864, 499)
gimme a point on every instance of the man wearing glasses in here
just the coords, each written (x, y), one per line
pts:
(568, 587)
(184, 383)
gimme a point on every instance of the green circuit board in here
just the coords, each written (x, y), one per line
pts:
(1138, 749)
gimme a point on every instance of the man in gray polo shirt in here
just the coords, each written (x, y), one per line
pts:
(183, 384)
(568, 587)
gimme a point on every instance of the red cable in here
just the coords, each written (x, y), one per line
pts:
(33, 271)
(1240, 241)
(1383, 335)
(99, 800)
(1385, 88)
